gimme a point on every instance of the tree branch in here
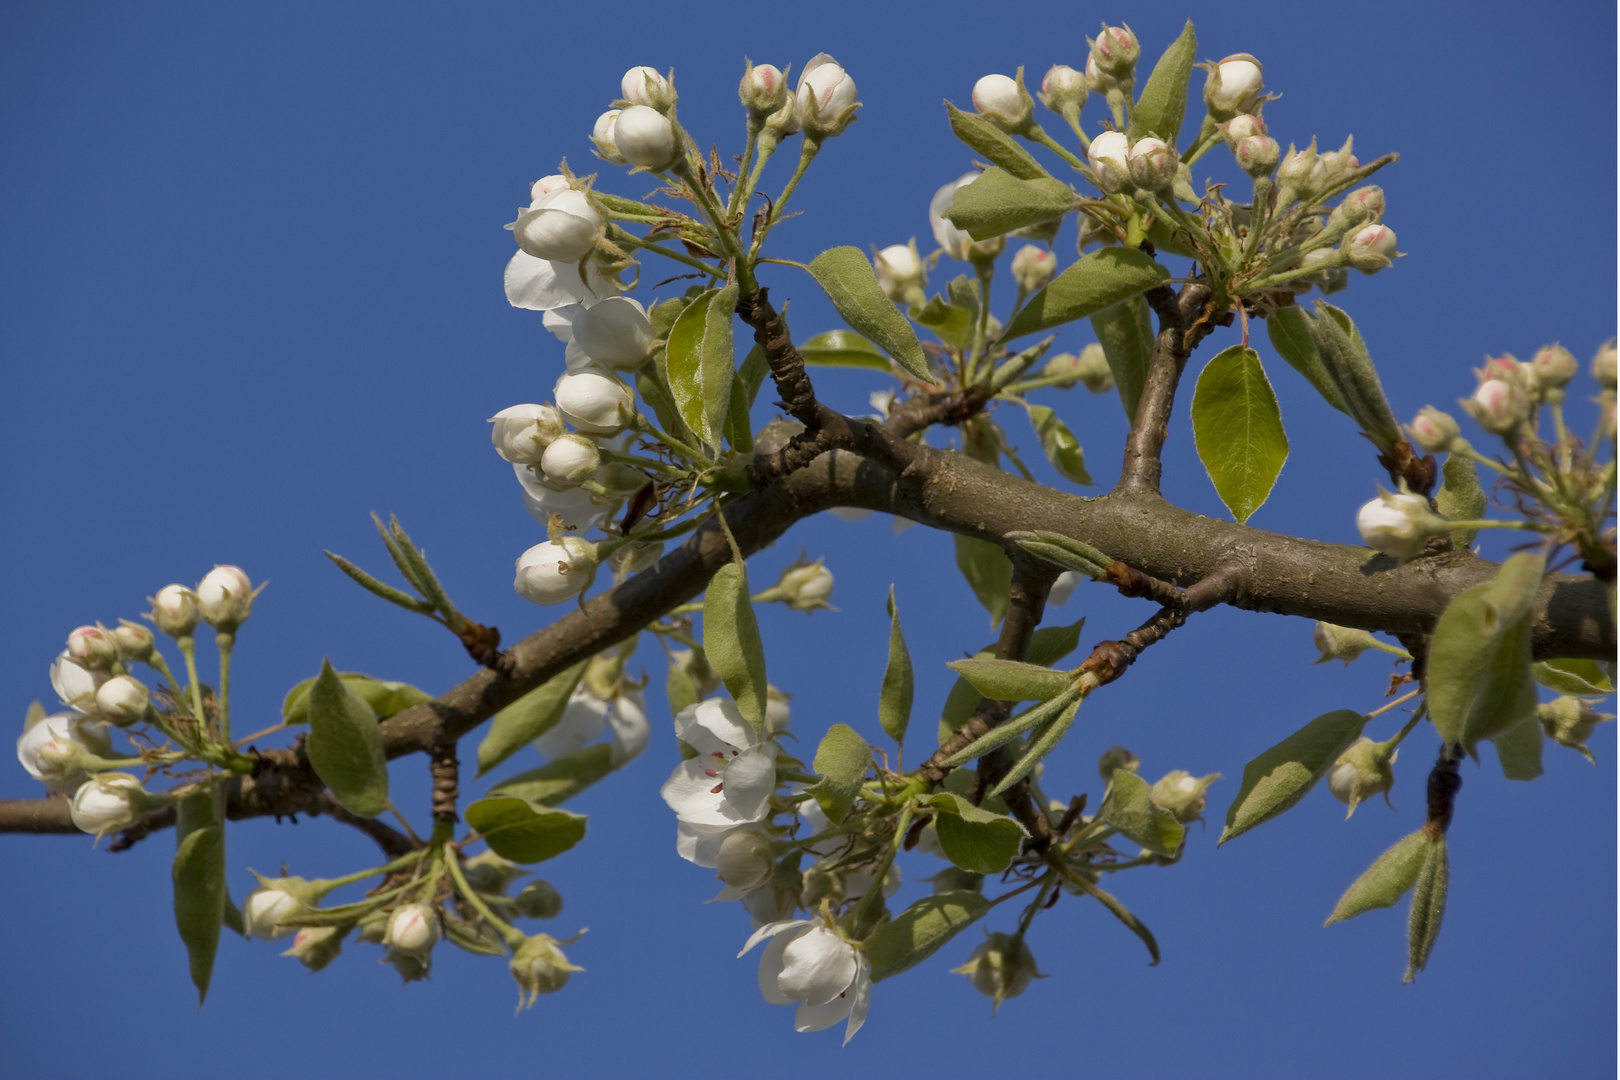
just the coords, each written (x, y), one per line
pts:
(1183, 323)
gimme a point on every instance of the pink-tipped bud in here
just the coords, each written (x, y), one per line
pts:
(763, 90)
(1233, 86)
(1116, 51)
(1434, 430)
(1554, 366)
(1371, 248)
(1063, 88)
(92, 647)
(644, 86)
(1257, 155)
(1499, 405)
(1240, 127)
(1109, 155)
(1152, 163)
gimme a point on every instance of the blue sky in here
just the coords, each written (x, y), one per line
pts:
(250, 291)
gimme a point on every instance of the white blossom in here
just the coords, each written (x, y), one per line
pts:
(75, 684)
(265, 912)
(956, 242)
(542, 285)
(105, 802)
(561, 226)
(615, 332)
(47, 749)
(808, 965)
(730, 781)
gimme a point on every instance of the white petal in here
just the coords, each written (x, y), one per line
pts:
(821, 1017)
(818, 966)
(76, 686)
(770, 930)
(749, 781)
(560, 321)
(770, 969)
(583, 720)
(689, 791)
(862, 993)
(727, 893)
(575, 358)
(543, 286)
(699, 846)
(714, 725)
(631, 730)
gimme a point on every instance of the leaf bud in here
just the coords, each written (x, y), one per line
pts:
(134, 641)
(174, 611)
(1499, 405)
(1004, 102)
(1434, 431)
(1109, 157)
(123, 700)
(594, 401)
(1554, 366)
(1233, 86)
(1603, 365)
(265, 911)
(1569, 721)
(556, 571)
(1240, 127)
(1116, 757)
(763, 91)
(1371, 248)
(1116, 52)
(1182, 794)
(1398, 523)
(644, 86)
(825, 98)
(538, 900)
(317, 946)
(225, 598)
(900, 273)
(602, 138)
(646, 138)
(1362, 772)
(539, 967)
(746, 860)
(1001, 968)
(570, 460)
(413, 930)
(1153, 164)
(107, 802)
(1064, 89)
(1033, 267)
(1257, 155)
(522, 432)
(92, 648)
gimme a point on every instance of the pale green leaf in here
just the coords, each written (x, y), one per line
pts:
(1125, 332)
(1012, 680)
(700, 362)
(1097, 281)
(988, 572)
(973, 838)
(1042, 741)
(1388, 879)
(847, 277)
(1519, 750)
(998, 202)
(731, 641)
(1479, 679)
(199, 897)
(1460, 497)
(1130, 808)
(951, 324)
(528, 718)
(1061, 447)
(1289, 329)
(919, 931)
(385, 698)
(1279, 778)
(1428, 907)
(995, 145)
(1047, 646)
(744, 388)
(843, 348)
(1030, 719)
(1163, 101)
(518, 830)
(842, 760)
(1238, 430)
(345, 747)
(1571, 676)
(555, 782)
(894, 699)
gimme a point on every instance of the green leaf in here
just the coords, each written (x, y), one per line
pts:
(199, 897)
(555, 782)
(1570, 676)
(998, 202)
(1238, 430)
(1428, 907)
(847, 277)
(653, 387)
(1519, 750)
(680, 689)
(1097, 281)
(919, 931)
(700, 362)
(988, 572)
(951, 324)
(1030, 719)
(1281, 777)
(385, 698)
(1163, 102)
(899, 682)
(518, 830)
(731, 641)
(1460, 497)
(1042, 741)
(843, 348)
(1130, 808)
(1350, 367)
(995, 145)
(744, 388)
(1012, 680)
(1125, 332)
(1388, 879)
(1047, 646)
(1064, 551)
(842, 760)
(973, 838)
(1479, 679)
(345, 747)
(1289, 329)
(1123, 914)
(1062, 448)
(528, 718)
(664, 314)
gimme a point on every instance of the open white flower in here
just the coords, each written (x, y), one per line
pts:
(583, 720)
(809, 965)
(615, 332)
(729, 782)
(579, 509)
(542, 285)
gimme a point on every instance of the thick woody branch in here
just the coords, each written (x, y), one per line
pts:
(1184, 321)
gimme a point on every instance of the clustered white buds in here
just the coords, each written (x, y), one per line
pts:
(570, 460)
(1240, 127)
(1257, 154)
(1554, 366)
(1398, 523)
(1115, 52)
(645, 86)
(1004, 102)
(615, 332)
(556, 571)
(561, 225)
(763, 91)
(522, 432)
(135, 642)
(1603, 366)
(123, 700)
(1233, 86)
(92, 647)
(107, 802)
(646, 138)
(56, 750)
(1434, 431)
(174, 611)
(225, 598)
(1500, 404)
(1371, 248)
(1152, 164)
(316, 946)
(607, 147)
(900, 273)
(1033, 267)
(745, 860)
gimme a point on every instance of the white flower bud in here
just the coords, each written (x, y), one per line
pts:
(956, 242)
(595, 401)
(1240, 127)
(1362, 206)
(545, 186)
(561, 226)
(1233, 86)
(1001, 968)
(1257, 155)
(900, 273)
(1182, 794)
(134, 641)
(576, 507)
(554, 572)
(804, 586)
(602, 137)
(1116, 51)
(522, 432)
(1554, 366)
(778, 713)
(265, 911)
(615, 332)
(570, 460)
(1371, 248)
(413, 930)
(1063, 587)
(1362, 772)
(1033, 267)
(122, 700)
(746, 860)
(174, 611)
(826, 96)
(644, 86)
(1116, 757)
(92, 647)
(76, 686)
(1109, 156)
(1064, 88)
(645, 137)
(106, 802)
(1003, 102)
(1398, 524)
(1603, 366)
(1152, 164)
(54, 751)
(1433, 430)
(225, 597)
(763, 90)
(316, 946)
(1097, 79)
(1301, 171)
(1500, 405)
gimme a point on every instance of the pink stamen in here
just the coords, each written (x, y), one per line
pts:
(710, 773)
(716, 789)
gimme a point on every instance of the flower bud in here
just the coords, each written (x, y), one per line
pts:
(1257, 155)
(553, 572)
(1064, 89)
(539, 967)
(92, 648)
(1398, 524)
(804, 586)
(562, 226)
(411, 968)
(1109, 157)
(570, 460)
(1240, 127)
(1116, 51)
(1371, 248)
(645, 137)
(225, 598)
(174, 611)
(763, 90)
(746, 860)
(900, 273)
(1341, 642)
(1362, 772)
(1603, 366)
(1569, 721)
(1335, 164)
(545, 186)
(1001, 968)
(1153, 164)
(1182, 794)
(56, 751)
(644, 86)
(413, 930)
(76, 686)
(134, 641)
(595, 401)
(1500, 405)
(1004, 102)
(1116, 757)
(615, 332)
(1063, 587)
(538, 900)
(317, 946)
(522, 432)
(1233, 86)
(122, 700)
(778, 713)
(826, 97)
(107, 802)
(1554, 366)
(1090, 368)
(1033, 267)
(1434, 431)
(1362, 206)
(265, 912)
(602, 137)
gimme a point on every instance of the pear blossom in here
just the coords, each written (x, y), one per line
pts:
(602, 133)
(75, 684)
(561, 226)
(174, 610)
(134, 641)
(825, 93)
(1110, 161)
(551, 573)
(225, 597)
(265, 912)
(1062, 87)
(577, 508)
(542, 285)
(48, 749)
(593, 400)
(570, 460)
(1398, 523)
(1233, 85)
(92, 647)
(645, 137)
(106, 802)
(413, 930)
(615, 332)
(808, 965)
(1002, 101)
(730, 781)
(122, 700)
(522, 432)
(956, 242)
(762, 90)
(1371, 249)
(645, 86)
